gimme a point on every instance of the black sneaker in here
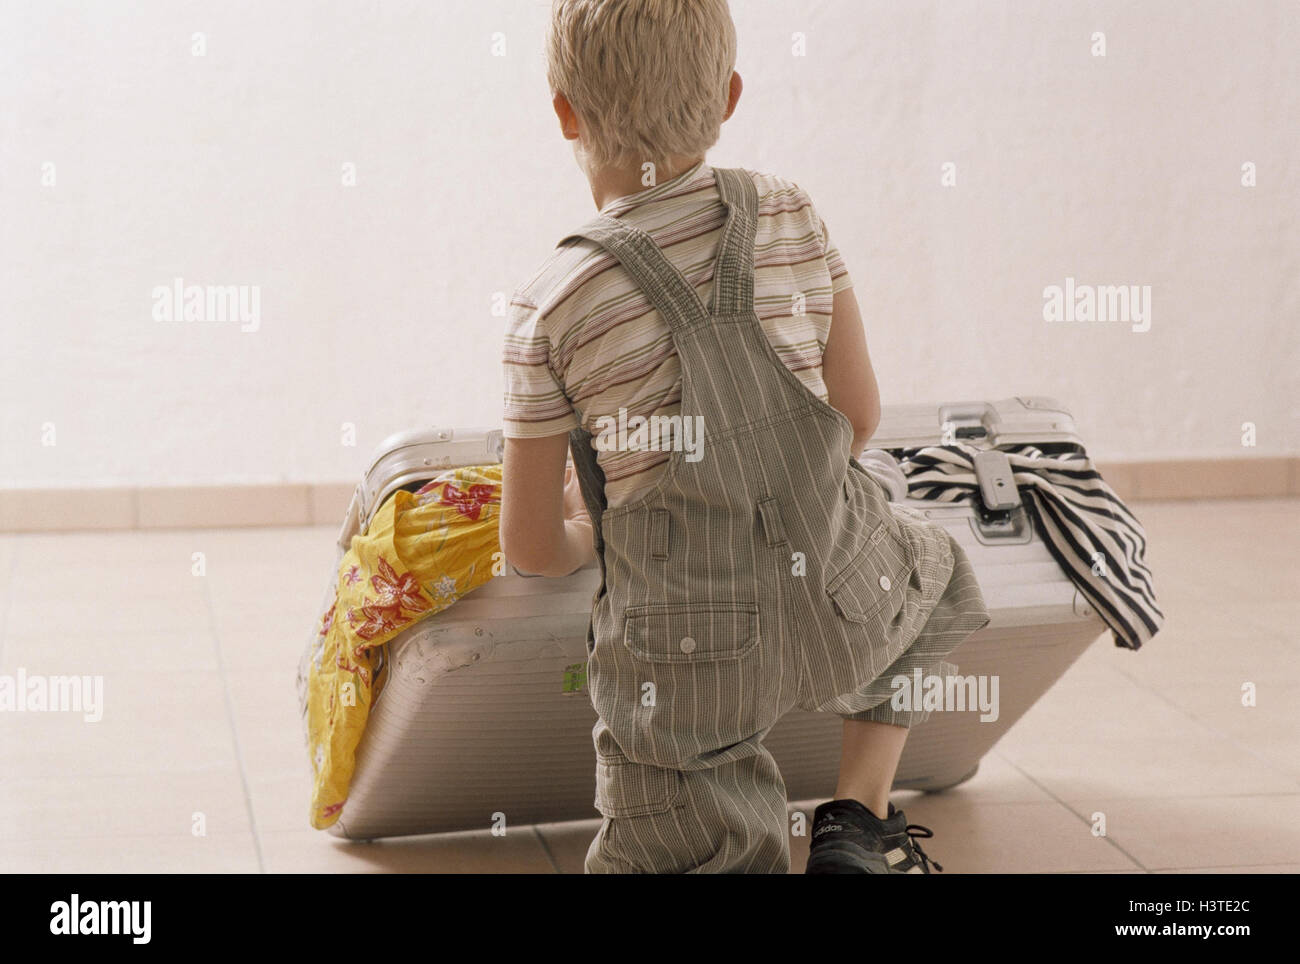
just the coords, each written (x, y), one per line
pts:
(848, 838)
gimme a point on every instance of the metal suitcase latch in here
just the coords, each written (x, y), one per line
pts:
(997, 483)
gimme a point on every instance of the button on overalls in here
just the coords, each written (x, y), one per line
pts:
(771, 573)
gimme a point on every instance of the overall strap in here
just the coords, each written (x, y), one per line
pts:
(664, 286)
(733, 273)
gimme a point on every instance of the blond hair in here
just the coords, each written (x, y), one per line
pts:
(649, 78)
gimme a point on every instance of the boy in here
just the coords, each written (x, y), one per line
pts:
(699, 348)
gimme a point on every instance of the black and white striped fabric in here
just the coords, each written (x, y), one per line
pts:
(1086, 527)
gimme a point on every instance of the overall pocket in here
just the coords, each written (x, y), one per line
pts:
(873, 586)
(627, 789)
(691, 632)
(700, 676)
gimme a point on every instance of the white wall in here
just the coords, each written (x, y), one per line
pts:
(376, 299)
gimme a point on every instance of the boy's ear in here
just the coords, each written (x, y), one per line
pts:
(733, 94)
(567, 115)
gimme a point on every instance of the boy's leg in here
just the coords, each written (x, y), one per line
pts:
(868, 761)
(873, 746)
(860, 831)
(731, 819)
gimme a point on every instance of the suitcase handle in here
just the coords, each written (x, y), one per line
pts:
(968, 421)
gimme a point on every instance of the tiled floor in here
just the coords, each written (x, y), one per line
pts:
(201, 723)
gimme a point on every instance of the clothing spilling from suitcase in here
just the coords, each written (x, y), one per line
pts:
(409, 559)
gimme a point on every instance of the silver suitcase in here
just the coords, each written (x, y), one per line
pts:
(484, 709)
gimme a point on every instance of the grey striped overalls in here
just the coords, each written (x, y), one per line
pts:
(771, 573)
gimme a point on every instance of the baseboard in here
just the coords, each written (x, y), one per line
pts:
(301, 504)
(174, 507)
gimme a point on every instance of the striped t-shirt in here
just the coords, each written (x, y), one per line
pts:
(582, 341)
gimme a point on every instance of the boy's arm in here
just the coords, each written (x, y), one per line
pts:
(847, 372)
(536, 536)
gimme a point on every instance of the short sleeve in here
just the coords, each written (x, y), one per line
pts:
(535, 403)
(834, 261)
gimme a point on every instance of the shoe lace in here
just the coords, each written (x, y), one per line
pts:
(917, 833)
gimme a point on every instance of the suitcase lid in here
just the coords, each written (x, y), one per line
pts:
(419, 454)
(1022, 420)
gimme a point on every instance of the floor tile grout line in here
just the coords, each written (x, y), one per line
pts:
(1161, 796)
(546, 848)
(1210, 728)
(1069, 809)
(234, 727)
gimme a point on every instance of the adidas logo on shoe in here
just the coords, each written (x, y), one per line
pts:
(849, 839)
(833, 828)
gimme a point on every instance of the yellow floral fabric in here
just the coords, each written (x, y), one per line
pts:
(421, 552)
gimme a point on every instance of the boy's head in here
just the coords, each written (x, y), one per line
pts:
(649, 79)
